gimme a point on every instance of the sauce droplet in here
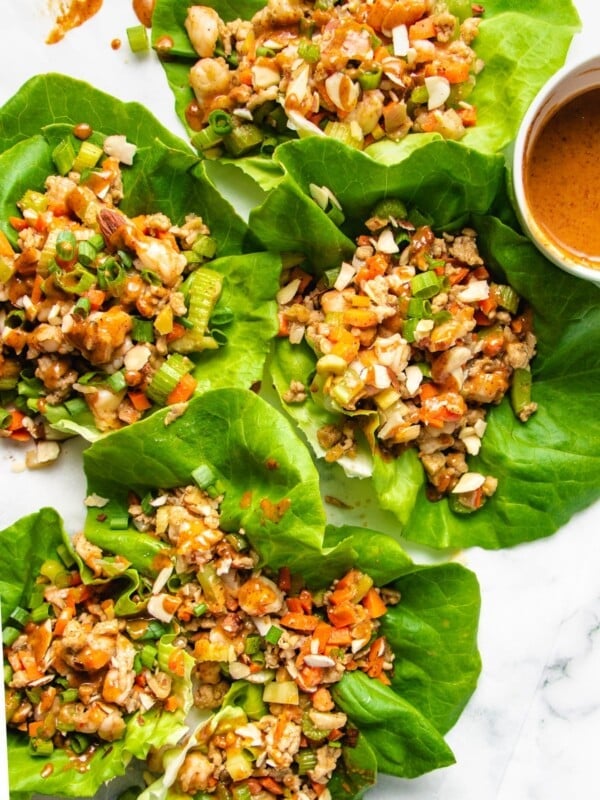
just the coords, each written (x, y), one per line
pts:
(164, 45)
(143, 9)
(82, 130)
(115, 44)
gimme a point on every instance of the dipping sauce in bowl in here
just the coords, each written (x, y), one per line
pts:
(556, 170)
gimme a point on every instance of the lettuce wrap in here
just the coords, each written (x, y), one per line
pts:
(165, 177)
(519, 47)
(547, 468)
(263, 467)
(30, 543)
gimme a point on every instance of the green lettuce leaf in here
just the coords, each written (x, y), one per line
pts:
(547, 468)
(166, 176)
(521, 48)
(262, 459)
(26, 545)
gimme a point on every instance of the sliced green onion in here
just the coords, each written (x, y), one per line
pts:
(55, 572)
(309, 51)
(148, 655)
(242, 139)
(200, 609)
(65, 555)
(69, 695)
(119, 521)
(116, 382)
(40, 613)
(252, 645)
(336, 215)
(63, 156)
(82, 307)
(78, 743)
(409, 329)
(237, 541)
(86, 253)
(419, 307)
(142, 330)
(66, 248)
(220, 121)
(425, 284)
(88, 156)
(219, 336)
(20, 616)
(76, 281)
(206, 139)
(10, 635)
(97, 241)
(370, 78)
(205, 246)
(76, 406)
(520, 390)
(204, 476)
(273, 635)
(137, 36)
(241, 791)
(265, 52)
(419, 95)
(41, 747)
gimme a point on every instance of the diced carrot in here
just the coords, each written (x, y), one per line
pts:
(430, 121)
(139, 400)
(340, 637)
(480, 273)
(375, 660)
(428, 390)
(318, 788)
(374, 265)
(374, 604)
(458, 275)
(172, 703)
(305, 623)
(271, 785)
(422, 29)
(345, 345)
(322, 634)
(343, 615)
(176, 332)
(96, 298)
(48, 697)
(33, 728)
(5, 246)
(454, 71)
(360, 317)
(245, 77)
(488, 305)
(183, 391)
(16, 420)
(36, 289)
(18, 223)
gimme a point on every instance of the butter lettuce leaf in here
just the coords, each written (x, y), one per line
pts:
(166, 176)
(26, 545)
(548, 467)
(520, 46)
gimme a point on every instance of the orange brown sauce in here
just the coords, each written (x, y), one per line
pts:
(562, 177)
(71, 14)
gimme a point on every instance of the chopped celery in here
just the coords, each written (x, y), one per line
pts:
(242, 139)
(204, 289)
(168, 375)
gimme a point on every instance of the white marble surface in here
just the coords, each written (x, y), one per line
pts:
(532, 728)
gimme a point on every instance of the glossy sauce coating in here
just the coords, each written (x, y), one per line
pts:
(562, 177)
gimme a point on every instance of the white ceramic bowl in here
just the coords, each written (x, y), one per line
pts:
(567, 83)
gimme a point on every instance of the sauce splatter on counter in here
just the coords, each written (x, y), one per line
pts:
(70, 14)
